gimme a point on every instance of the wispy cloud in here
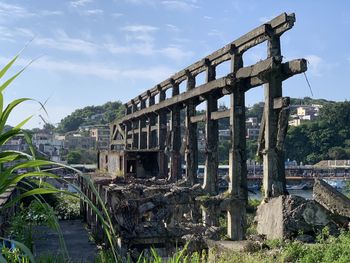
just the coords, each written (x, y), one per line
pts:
(11, 10)
(80, 3)
(180, 5)
(63, 42)
(140, 2)
(92, 12)
(139, 28)
(176, 53)
(140, 39)
(317, 65)
(11, 35)
(100, 70)
(50, 13)
(117, 15)
(172, 28)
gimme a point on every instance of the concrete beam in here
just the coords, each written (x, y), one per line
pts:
(252, 75)
(276, 26)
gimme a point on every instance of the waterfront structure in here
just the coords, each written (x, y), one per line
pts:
(151, 199)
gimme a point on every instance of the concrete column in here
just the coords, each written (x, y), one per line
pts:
(162, 130)
(175, 156)
(274, 183)
(151, 121)
(142, 124)
(210, 183)
(191, 152)
(134, 125)
(236, 214)
(127, 126)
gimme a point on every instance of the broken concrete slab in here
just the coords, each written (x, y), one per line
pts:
(331, 199)
(289, 216)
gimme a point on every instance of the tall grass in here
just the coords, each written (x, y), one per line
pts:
(11, 162)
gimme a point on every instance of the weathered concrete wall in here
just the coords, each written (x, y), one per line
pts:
(102, 160)
(331, 199)
(114, 162)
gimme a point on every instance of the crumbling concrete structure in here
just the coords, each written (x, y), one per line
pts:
(331, 199)
(155, 201)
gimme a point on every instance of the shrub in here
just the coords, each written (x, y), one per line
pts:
(68, 207)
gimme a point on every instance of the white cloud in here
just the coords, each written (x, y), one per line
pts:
(208, 17)
(140, 2)
(50, 13)
(8, 34)
(179, 5)
(139, 28)
(63, 42)
(140, 40)
(10, 10)
(176, 53)
(117, 15)
(92, 12)
(172, 28)
(100, 70)
(316, 65)
(80, 3)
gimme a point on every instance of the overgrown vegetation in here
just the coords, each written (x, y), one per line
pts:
(21, 225)
(67, 208)
(84, 156)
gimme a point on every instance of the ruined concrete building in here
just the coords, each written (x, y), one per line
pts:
(149, 180)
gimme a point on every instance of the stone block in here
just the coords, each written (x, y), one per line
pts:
(270, 218)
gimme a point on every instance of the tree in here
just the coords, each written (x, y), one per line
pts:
(74, 157)
(327, 137)
(337, 153)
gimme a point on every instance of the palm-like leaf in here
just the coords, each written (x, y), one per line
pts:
(15, 160)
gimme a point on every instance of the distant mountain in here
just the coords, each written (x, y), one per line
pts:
(91, 115)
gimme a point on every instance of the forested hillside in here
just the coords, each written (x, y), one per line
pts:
(91, 115)
(327, 137)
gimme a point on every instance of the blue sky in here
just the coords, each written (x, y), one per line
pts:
(94, 51)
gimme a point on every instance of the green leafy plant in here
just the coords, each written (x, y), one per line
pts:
(68, 207)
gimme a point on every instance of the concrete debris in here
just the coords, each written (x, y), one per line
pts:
(331, 199)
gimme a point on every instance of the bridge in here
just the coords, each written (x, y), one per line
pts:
(151, 142)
